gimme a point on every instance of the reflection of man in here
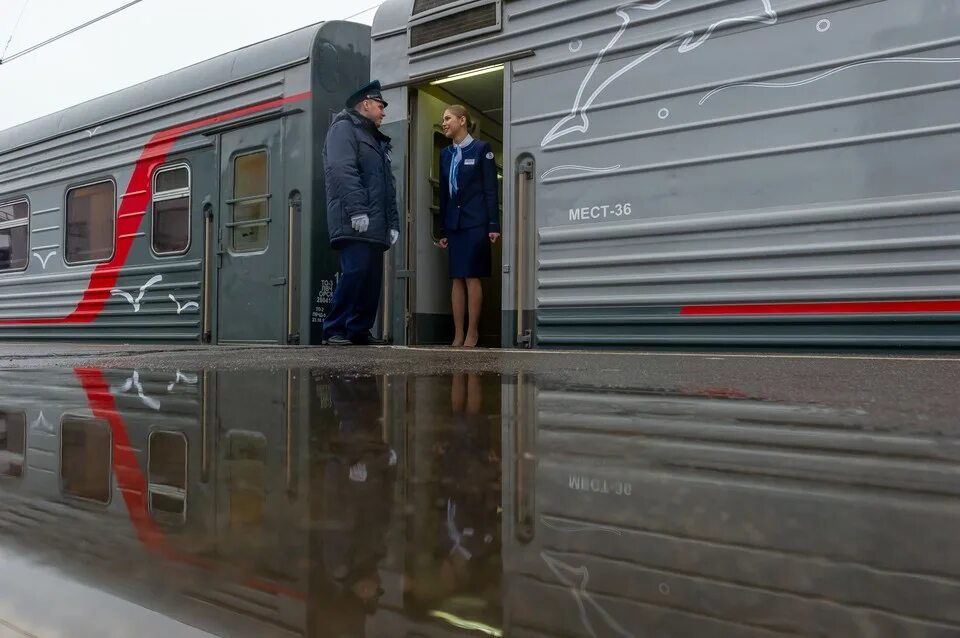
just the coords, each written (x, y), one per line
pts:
(357, 500)
(362, 216)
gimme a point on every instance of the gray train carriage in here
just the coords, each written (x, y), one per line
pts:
(728, 172)
(124, 480)
(640, 513)
(190, 207)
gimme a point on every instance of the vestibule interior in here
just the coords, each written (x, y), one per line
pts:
(481, 92)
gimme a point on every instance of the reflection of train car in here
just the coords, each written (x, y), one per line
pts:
(642, 514)
(293, 503)
(134, 483)
(252, 503)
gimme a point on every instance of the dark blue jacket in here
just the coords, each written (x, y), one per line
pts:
(475, 203)
(356, 161)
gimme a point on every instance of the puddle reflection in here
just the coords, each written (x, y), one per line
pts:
(298, 503)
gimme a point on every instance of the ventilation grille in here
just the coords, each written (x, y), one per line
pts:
(455, 27)
(422, 6)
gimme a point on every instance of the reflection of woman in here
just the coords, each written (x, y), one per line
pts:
(469, 217)
(459, 565)
(469, 478)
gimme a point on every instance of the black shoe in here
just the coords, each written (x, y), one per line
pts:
(337, 340)
(376, 341)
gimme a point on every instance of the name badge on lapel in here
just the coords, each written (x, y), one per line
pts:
(469, 162)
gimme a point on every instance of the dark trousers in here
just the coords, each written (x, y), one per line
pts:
(357, 297)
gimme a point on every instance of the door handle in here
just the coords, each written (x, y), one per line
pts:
(278, 281)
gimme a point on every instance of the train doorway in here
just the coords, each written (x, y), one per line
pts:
(430, 318)
(252, 278)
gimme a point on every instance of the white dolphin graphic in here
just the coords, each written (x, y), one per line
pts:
(573, 527)
(143, 289)
(826, 74)
(578, 121)
(576, 578)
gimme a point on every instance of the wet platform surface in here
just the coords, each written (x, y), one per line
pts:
(378, 494)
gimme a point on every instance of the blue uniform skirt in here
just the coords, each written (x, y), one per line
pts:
(469, 251)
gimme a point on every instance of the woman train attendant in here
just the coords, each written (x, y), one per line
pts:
(469, 218)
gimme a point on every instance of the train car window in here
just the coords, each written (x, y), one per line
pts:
(251, 194)
(167, 477)
(171, 210)
(85, 457)
(91, 212)
(14, 235)
(13, 443)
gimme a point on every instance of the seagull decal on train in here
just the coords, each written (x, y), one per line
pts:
(41, 424)
(44, 260)
(187, 306)
(134, 382)
(576, 579)
(186, 378)
(578, 121)
(143, 289)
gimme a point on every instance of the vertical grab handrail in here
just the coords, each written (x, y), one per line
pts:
(205, 428)
(289, 458)
(525, 171)
(524, 433)
(205, 333)
(290, 231)
(293, 336)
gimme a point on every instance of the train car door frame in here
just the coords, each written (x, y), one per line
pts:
(251, 277)
(406, 276)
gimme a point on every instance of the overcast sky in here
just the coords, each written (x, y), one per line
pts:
(144, 41)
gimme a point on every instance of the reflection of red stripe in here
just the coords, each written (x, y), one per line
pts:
(130, 477)
(133, 484)
(837, 308)
(132, 210)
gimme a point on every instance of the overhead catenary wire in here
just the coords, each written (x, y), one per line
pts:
(16, 25)
(60, 36)
(69, 32)
(360, 13)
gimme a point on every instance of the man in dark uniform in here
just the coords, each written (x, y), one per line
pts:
(362, 215)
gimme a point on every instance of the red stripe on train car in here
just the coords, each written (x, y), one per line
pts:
(133, 486)
(132, 210)
(828, 308)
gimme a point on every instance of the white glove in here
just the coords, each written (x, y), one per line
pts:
(394, 236)
(360, 223)
(358, 472)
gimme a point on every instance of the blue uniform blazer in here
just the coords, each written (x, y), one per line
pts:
(475, 203)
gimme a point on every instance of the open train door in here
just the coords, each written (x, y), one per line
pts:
(422, 277)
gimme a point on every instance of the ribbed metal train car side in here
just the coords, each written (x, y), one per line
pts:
(183, 119)
(695, 516)
(750, 172)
